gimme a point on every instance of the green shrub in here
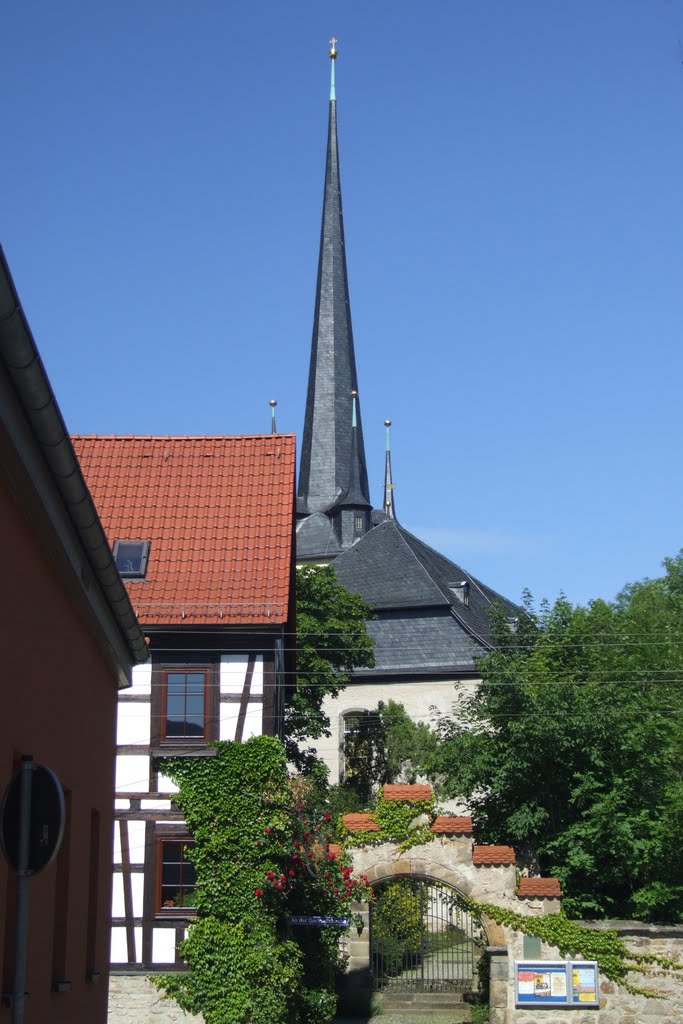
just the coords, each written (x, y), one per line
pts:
(397, 927)
(261, 857)
(238, 974)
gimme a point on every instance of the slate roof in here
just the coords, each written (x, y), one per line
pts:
(419, 641)
(548, 888)
(218, 513)
(333, 468)
(422, 625)
(493, 855)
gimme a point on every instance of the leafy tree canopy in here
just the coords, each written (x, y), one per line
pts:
(386, 745)
(572, 747)
(331, 641)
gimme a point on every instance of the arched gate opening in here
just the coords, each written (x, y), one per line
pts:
(422, 938)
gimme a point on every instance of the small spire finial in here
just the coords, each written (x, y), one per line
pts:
(389, 485)
(333, 57)
(272, 403)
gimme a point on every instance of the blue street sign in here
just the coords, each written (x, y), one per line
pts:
(321, 922)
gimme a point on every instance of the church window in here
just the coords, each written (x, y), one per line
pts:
(360, 523)
(131, 558)
(357, 745)
(176, 875)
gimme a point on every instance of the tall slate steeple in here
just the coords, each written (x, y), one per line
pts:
(333, 503)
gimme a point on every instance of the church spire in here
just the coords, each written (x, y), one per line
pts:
(333, 471)
(388, 504)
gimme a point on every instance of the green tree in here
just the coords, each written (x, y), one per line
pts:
(386, 745)
(397, 926)
(331, 641)
(571, 748)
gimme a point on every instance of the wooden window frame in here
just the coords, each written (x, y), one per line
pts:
(159, 704)
(160, 910)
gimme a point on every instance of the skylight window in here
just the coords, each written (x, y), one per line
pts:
(131, 558)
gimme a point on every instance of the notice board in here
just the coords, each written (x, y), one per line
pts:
(567, 983)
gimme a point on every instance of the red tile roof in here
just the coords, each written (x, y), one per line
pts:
(400, 792)
(363, 822)
(493, 855)
(548, 887)
(334, 850)
(452, 824)
(218, 513)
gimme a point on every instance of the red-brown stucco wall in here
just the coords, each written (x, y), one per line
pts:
(57, 703)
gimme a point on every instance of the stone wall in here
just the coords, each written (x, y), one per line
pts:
(449, 860)
(133, 999)
(617, 1005)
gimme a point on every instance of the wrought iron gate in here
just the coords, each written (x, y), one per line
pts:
(421, 939)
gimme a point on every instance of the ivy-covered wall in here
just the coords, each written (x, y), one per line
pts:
(262, 858)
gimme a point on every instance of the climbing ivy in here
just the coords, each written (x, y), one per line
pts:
(614, 958)
(396, 820)
(400, 821)
(261, 857)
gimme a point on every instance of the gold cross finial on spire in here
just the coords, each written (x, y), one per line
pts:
(333, 51)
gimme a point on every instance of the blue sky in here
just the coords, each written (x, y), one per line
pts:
(512, 179)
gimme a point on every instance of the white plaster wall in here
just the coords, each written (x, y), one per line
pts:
(165, 785)
(233, 672)
(142, 679)
(136, 841)
(253, 722)
(132, 773)
(119, 947)
(163, 945)
(118, 908)
(416, 698)
(133, 723)
(257, 678)
(228, 721)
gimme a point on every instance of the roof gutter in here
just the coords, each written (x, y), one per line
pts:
(20, 356)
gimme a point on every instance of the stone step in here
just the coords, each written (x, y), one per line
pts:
(456, 1013)
(430, 1000)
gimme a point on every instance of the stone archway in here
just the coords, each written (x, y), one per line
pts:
(423, 942)
(450, 862)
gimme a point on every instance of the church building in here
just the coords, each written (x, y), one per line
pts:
(433, 617)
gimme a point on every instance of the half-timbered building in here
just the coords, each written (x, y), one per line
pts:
(202, 534)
